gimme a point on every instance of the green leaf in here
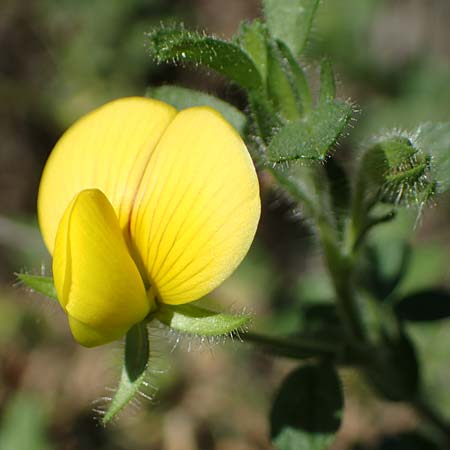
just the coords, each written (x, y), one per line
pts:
(134, 370)
(200, 321)
(434, 139)
(311, 138)
(384, 265)
(252, 37)
(394, 369)
(297, 78)
(306, 412)
(182, 98)
(427, 305)
(290, 21)
(264, 119)
(280, 85)
(177, 45)
(42, 285)
(327, 82)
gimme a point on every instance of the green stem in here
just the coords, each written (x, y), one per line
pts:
(298, 348)
(340, 267)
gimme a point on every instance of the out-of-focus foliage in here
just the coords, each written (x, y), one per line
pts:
(24, 424)
(60, 59)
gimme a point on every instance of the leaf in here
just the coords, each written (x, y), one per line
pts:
(311, 138)
(321, 320)
(434, 139)
(307, 409)
(134, 369)
(394, 369)
(290, 21)
(42, 285)
(327, 82)
(385, 264)
(200, 321)
(265, 121)
(427, 305)
(177, 45)
(182, 98)
(280, 84)
(252, 38)
(297, 78)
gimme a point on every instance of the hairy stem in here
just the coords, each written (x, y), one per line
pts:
(298, 348)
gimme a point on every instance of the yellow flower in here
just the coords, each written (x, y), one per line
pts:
(140, 204)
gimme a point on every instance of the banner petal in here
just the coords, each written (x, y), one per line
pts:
(108, 149)
(197, 207)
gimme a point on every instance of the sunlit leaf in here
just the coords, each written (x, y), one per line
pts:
(252, 38)
(297, 78)
(311, 138)
(177, 45)
(281, 85)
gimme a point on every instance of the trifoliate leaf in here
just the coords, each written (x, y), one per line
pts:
(200, 321)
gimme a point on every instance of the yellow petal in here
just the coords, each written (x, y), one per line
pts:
(97, 282)
(197, 207)
(107, 149)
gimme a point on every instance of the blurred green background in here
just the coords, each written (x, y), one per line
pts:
(58, 60)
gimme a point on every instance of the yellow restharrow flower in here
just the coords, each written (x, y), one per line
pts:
(140, 204)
